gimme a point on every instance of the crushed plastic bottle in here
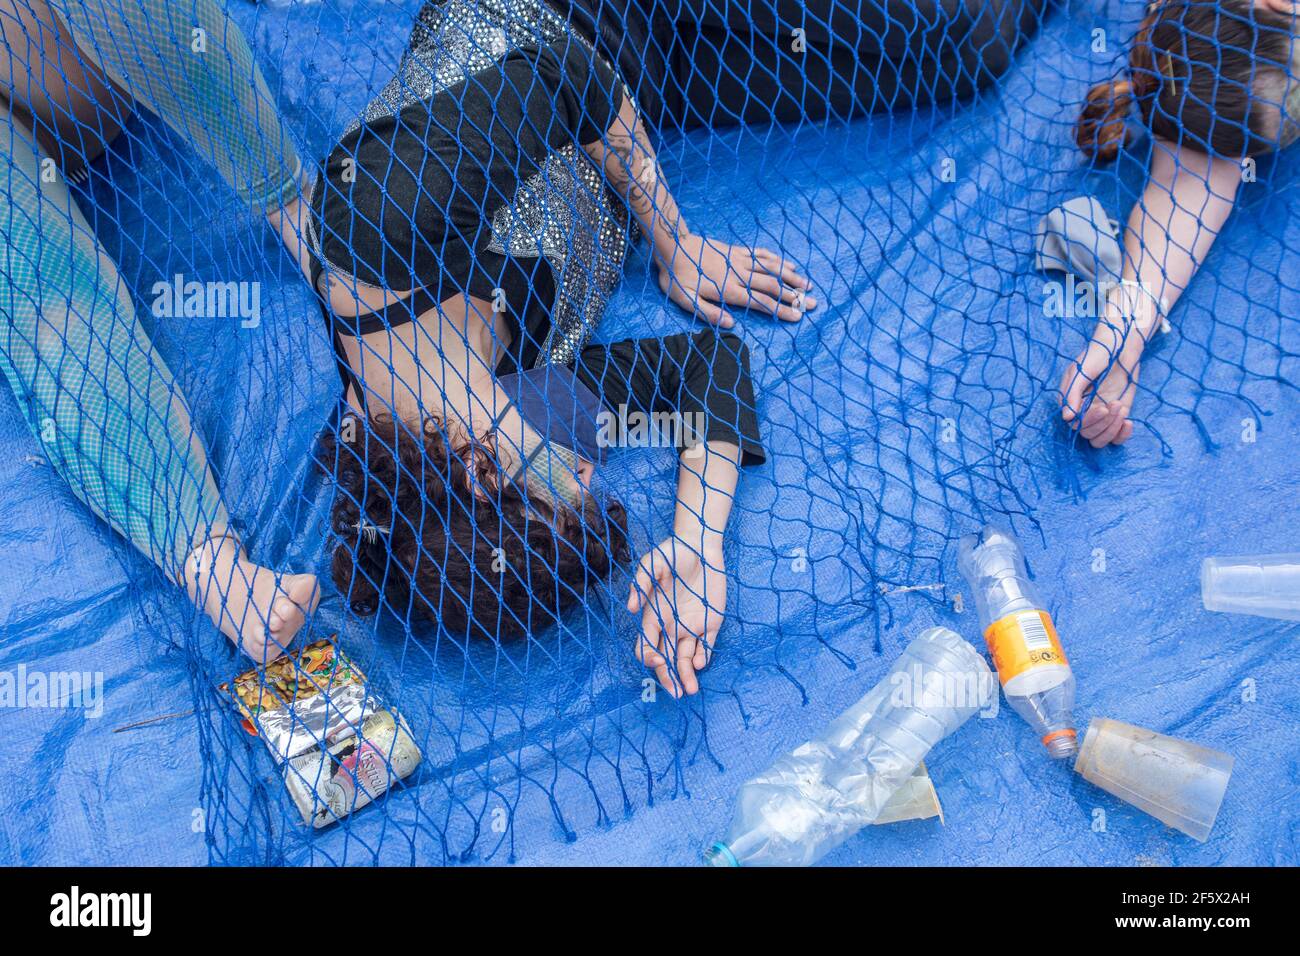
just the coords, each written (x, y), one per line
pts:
(812, 800)
(1032, 668)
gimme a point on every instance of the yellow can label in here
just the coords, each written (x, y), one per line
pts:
(1021, 641)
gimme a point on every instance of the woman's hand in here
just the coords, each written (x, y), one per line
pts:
(702, 275)
(681, 593)
(1106, 420)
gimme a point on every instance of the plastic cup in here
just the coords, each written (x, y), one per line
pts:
(916, 799)
(1265, 585)
(1178, 782)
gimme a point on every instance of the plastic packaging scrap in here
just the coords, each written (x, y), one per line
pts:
(813, 799)
(916, 799)
(1179, 783)
(1026, 649)
(1266, 586)
(338, 747)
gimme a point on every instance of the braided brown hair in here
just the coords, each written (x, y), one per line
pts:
(1210, 75)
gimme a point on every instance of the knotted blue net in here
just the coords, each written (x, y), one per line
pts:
(180, 386)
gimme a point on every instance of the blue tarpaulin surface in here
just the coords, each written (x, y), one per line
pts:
(932, 317)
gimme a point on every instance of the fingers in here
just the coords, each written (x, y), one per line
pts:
(739, 295)
(649, 644)
(767, 283)
(778, 291)
(1119, 418)
(783, 269)
(640, 598)
(665, 677)
(703, 651)
(759, 290)
(1075, 384)
(679, 648)
(734, 275)
(284, 612)
(651, 649)
(678, 622)
(687, 646)
(261, 650)
(773, 277)
(667, 647)
(1106, 423)
(765, 292)
(1097, 419)
(713, 313)
(699, 303)
(642, 583)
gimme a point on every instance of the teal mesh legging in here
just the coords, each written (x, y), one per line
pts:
(95, 392)
(188, 62)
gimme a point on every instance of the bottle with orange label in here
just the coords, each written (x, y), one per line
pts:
(1031, 666)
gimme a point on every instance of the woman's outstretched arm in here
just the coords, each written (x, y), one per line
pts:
(695, 393)
(701, 275)
(681, 585)
(1186, 202)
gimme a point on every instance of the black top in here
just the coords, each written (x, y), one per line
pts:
(407, 200)
(704, 378)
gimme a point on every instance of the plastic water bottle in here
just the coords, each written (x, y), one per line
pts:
(812, 800)
(1031, 665)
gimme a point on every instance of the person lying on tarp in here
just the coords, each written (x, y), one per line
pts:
(99, 396)
(464, 248)
(1216, 83)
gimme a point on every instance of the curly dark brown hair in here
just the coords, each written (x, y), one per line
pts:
(1210, 75)
(427, 527)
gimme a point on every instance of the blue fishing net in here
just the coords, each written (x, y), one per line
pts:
(900, 154)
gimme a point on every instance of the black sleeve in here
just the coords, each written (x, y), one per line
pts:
(584, 92)
(704, 378)
(542, 98)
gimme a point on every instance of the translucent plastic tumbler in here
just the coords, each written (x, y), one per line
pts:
(1265, 585)
(1178, 782)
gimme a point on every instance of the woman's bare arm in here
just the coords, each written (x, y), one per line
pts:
(701, 275)
(1183, 208)
(680, 588)
(633, 169)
